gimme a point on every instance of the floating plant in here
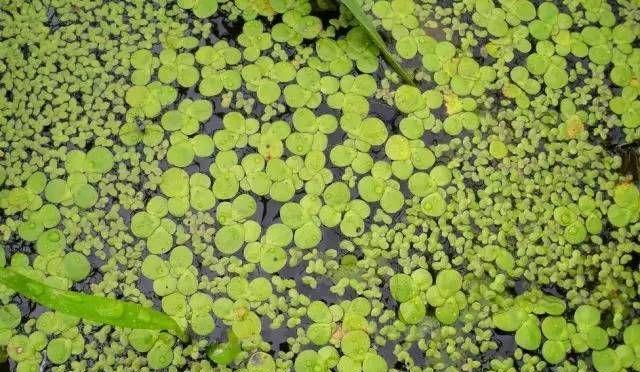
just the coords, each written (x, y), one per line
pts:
(319, 185)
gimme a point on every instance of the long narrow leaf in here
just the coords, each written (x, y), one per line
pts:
(94, 308)
(225, 353)
(364, 21)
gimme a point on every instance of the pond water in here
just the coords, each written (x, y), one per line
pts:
(257, 169)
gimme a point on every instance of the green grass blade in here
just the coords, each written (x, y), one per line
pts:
(94, 308)
(364, 21)
(225, 353)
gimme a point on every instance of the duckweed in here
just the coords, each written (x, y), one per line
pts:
(319, 185)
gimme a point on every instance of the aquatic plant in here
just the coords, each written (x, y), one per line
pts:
(366, 24)
(371, 185)
(224, 353)
(93, 308)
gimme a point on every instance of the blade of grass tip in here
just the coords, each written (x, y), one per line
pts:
(225, 353)
(368, 26)
(90, 307)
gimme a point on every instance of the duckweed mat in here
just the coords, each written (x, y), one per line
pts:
(319, 185)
